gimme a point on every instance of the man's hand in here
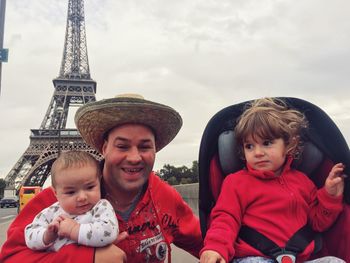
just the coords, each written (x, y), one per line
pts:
(111, 253)
(121, 237)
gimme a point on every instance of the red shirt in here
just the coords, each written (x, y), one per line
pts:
(275, 206)
(159, 219)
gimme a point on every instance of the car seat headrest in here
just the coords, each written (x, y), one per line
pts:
(311, 158)
(230, 162)
(228, 152)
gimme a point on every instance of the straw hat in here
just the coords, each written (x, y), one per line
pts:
(95, 119)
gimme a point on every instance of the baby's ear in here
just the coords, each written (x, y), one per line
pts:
(54, 190)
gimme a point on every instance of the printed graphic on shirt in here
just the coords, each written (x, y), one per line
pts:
(161, 250)
(146, 243)
(154, 247)
(168, 222)
(151, 225)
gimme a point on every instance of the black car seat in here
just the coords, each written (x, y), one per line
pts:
(324, 146)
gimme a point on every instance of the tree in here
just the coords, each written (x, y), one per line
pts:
(167, 172)
(179, 175)
(185, 180)
(172, 181)
(195, 172)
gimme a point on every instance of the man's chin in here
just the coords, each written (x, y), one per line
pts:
(133, 186)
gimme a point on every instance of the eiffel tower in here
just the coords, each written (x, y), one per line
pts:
(73, 87)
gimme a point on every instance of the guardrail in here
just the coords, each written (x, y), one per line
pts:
(189, 193)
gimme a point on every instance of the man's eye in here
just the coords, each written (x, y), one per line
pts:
(69, 193)
(122, 146)
(145, 147)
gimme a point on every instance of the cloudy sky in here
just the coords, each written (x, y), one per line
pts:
(196, 56)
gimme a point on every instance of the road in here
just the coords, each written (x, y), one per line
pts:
(6, 217)
(8, 214)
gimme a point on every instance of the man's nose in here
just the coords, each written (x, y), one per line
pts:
(134, 155)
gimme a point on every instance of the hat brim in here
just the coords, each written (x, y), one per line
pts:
(95, 119)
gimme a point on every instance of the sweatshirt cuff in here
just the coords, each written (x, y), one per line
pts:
(216, 249)
(333, 203)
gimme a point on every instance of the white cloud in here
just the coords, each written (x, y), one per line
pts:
(197, 56)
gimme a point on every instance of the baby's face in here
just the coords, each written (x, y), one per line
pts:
(78, 188)
(265, 154)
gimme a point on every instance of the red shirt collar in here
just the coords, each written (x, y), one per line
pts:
(270, 174)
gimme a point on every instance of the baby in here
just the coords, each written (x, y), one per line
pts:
(80, 215)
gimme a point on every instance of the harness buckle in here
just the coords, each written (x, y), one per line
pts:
(285, 258)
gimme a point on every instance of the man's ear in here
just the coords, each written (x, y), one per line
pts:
(104, 146)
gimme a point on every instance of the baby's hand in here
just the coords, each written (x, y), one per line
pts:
(335, 181)
(211, 256)
(68, 228)
(53, 227)
(50, 234)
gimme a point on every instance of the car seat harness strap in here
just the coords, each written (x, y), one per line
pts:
(295, 245)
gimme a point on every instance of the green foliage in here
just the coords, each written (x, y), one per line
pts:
(185, 180)
(179, 175)
(172, 180)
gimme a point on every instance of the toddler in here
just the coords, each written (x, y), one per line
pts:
(268, 195)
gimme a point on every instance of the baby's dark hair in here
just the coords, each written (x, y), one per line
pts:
(270, 118)
(72, 159)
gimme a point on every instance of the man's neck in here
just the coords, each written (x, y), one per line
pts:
(122, 200)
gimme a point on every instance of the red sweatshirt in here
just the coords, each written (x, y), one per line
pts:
(159, 219)
(275, 206)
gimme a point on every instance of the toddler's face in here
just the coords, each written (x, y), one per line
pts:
(265, 154)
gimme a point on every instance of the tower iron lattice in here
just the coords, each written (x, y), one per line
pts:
(73, 87)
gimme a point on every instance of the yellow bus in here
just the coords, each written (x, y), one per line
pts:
(26, 193)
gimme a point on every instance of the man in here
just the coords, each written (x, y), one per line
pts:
(128, 131)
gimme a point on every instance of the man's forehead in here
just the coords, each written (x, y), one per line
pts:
(132, 126)
(128, 127)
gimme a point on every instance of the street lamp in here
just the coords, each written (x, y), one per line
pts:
(2, 22)
(59, 110)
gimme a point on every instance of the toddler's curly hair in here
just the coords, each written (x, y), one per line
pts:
(271, 118)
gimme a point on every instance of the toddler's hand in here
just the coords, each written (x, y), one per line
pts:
(335, 181)
(211, 256)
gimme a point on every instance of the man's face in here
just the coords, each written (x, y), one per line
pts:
(129, 153)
